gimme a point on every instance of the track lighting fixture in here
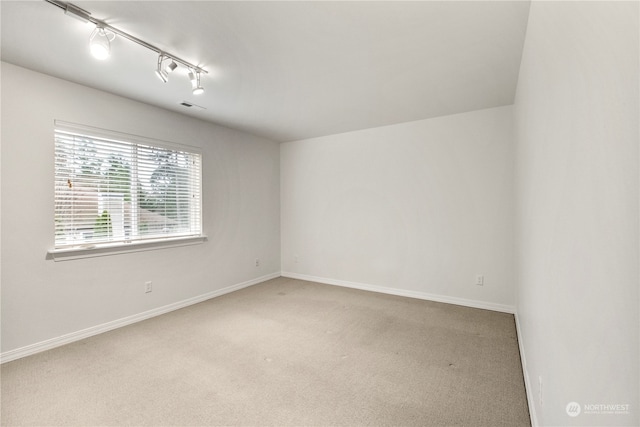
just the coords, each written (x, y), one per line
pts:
(195, 82)
(162, 74)
(100, 42)
(171, 66)
(102, 36)
(75, 12)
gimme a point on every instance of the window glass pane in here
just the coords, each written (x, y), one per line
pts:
(112, 190)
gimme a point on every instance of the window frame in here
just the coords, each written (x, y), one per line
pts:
(93, 249)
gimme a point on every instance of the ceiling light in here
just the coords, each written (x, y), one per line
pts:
(171, 66)
(162, 74)
(100, 43)
(195, 83)
(104, 34)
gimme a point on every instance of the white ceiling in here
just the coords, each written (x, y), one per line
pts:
(288, 70)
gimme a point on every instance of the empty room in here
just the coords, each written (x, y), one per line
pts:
(320, 213)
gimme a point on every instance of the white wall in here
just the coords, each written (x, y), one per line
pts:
(43, 299)
(420, 207)
(577, 208)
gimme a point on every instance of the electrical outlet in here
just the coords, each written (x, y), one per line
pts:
(480, 280)
(148, 287)
(257, 262)
(295, 259)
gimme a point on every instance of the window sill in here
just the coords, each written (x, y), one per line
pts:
(91, 251)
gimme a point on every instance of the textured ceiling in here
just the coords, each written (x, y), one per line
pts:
(288, 70)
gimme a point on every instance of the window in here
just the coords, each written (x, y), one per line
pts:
(113, 188)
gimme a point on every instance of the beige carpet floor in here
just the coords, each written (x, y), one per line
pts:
(280, 353)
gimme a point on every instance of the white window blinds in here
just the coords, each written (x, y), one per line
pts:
(115, 188)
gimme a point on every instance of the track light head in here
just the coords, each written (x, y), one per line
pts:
(195, 83)
(100, 43)
(162, 74)
(171, 66)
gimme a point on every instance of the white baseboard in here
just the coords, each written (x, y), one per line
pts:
(98, 329)
(525, 373)
(95, 330)
(404, 293)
